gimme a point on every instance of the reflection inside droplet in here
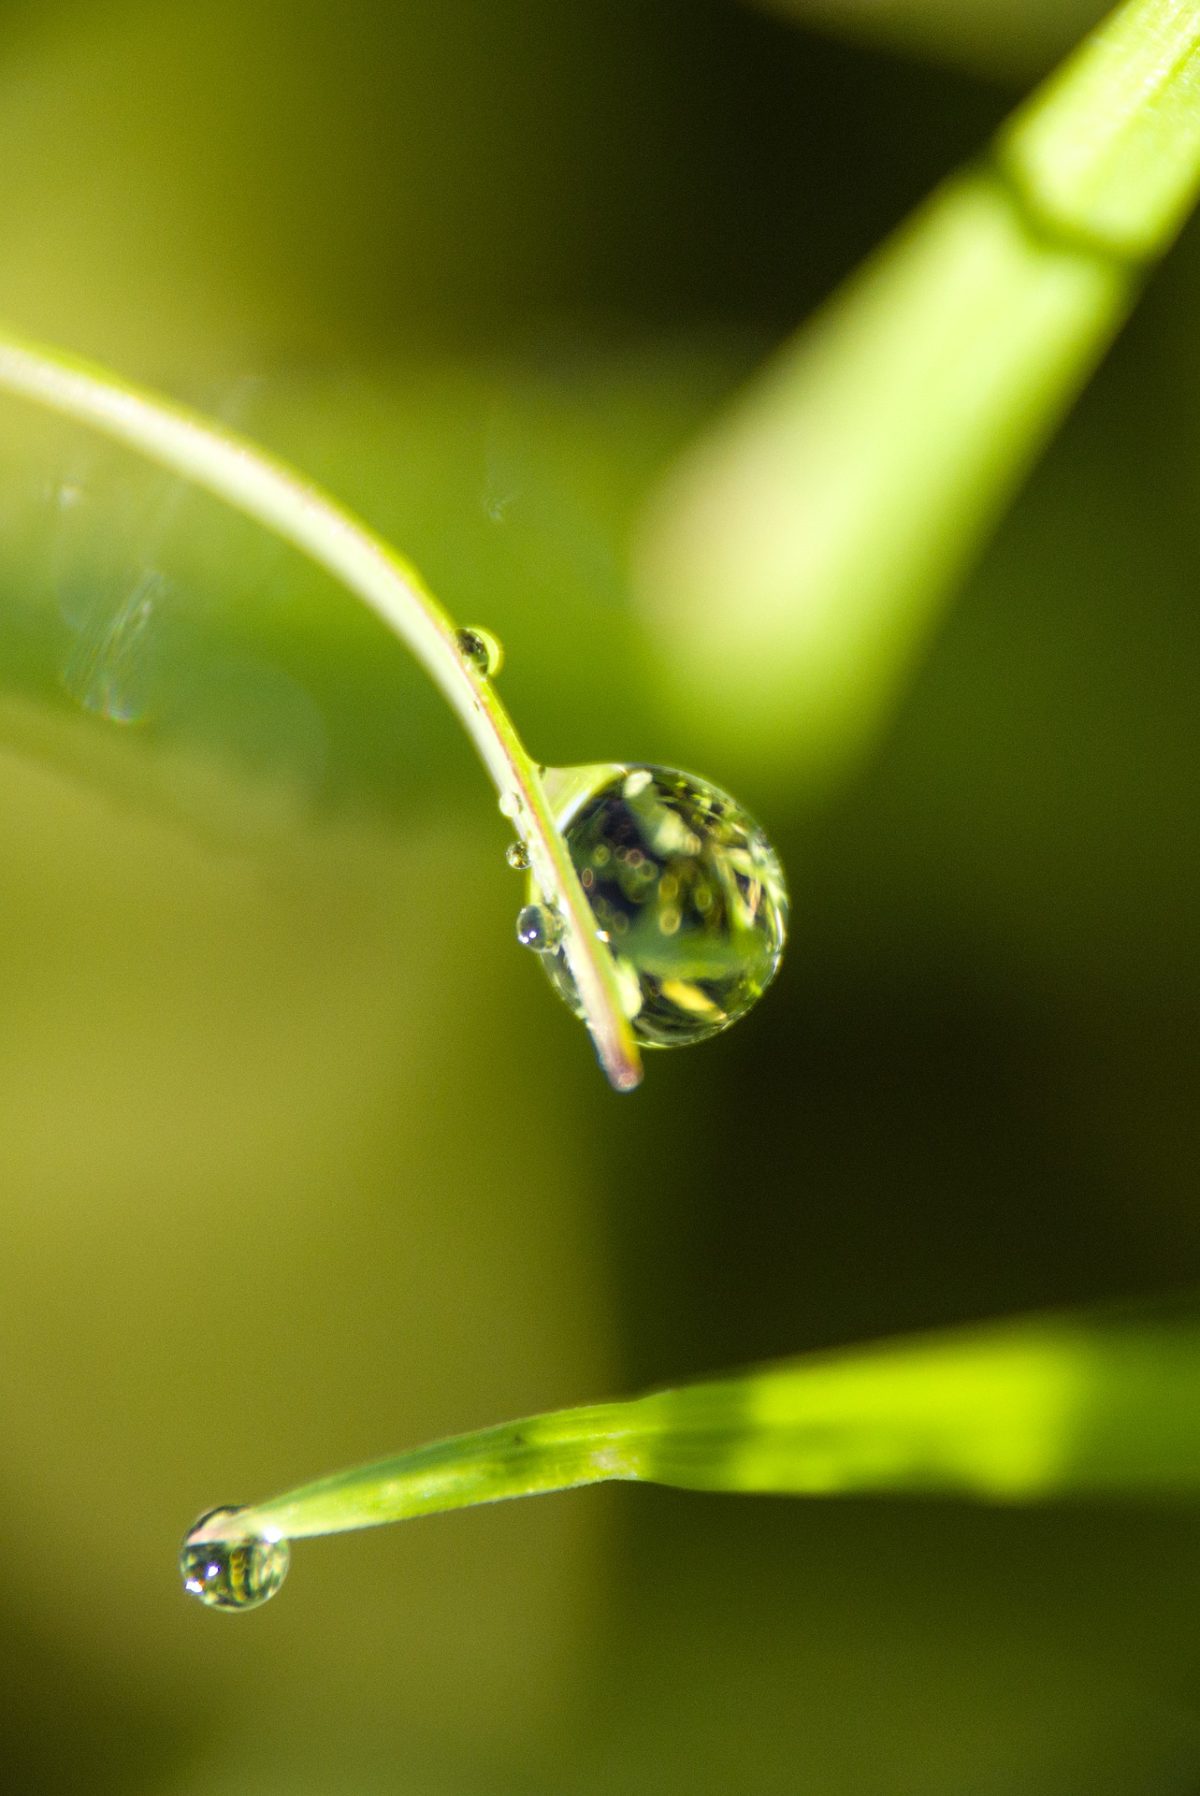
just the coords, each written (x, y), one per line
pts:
(538, 927)
(236, 1573)
(685, 887)
(483, 650)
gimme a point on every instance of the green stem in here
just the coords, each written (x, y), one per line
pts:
(1020, 1411)
(274, 494)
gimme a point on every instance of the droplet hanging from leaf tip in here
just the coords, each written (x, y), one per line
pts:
(241, 1572)
(686, 890)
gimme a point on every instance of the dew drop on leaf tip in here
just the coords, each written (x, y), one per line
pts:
(483, 650)
(237, 1573)
(686, 890)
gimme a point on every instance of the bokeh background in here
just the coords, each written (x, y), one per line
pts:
(301, 1161)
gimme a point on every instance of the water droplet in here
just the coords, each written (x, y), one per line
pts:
(687, 888)
(517, 856)
(538, 928)
(232, 1574)
(481, 649)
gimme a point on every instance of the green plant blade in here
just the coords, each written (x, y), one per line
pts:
(801, 554)
(232, 468)
(1022, 1411)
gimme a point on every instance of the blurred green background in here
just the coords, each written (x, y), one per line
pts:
(301, 1161)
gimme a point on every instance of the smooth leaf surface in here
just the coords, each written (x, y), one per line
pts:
(801, 556)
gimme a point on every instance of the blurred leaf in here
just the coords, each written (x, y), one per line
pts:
(802, 554)
(1026, 1410)
(992, 36)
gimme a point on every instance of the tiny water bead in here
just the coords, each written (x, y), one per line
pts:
(484, 651)
(538, 928)
(686, 890)
(517, 856)
(239, 1573)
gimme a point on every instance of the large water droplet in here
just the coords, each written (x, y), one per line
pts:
(687, 890)
(239, 1573)
(483, 650)
(538, 928)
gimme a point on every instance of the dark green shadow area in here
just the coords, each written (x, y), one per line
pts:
(66, 1726)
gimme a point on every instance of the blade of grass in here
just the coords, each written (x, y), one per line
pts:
(266, 489)
(801, 554)
(1022, 1411)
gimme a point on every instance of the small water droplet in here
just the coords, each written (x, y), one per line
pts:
(517, 856)
(687, 888)
(233, 1573)
(538, 928)
(483, 650)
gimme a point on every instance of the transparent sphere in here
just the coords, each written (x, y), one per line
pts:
(538, 928)
(687, 891)
(234, 1574)
(484, 651)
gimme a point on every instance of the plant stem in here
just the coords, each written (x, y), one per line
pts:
(266, 489)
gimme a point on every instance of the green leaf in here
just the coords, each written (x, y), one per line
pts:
(802, 554)
(1021, 1411)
